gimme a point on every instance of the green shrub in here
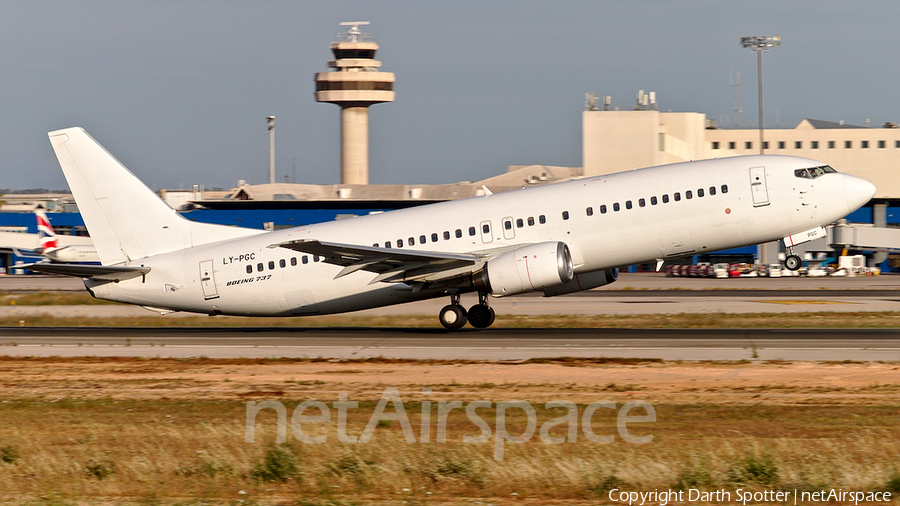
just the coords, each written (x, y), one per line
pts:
(99, 470)
(279, 464)
(9, 454)
(893, 483)
(755, 469)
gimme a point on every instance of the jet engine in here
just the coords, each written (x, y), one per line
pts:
(583, 281)
(526, 269)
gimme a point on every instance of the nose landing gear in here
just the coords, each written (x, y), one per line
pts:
(453, 316)
(792, 262)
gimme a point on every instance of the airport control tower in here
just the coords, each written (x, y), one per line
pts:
(355, 83)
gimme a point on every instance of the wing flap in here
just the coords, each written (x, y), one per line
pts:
(388, 264)
(97, 272)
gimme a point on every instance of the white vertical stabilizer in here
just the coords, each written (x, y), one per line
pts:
(125, 218)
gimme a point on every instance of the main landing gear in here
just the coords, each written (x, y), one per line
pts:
(792, 262)
(454, 316)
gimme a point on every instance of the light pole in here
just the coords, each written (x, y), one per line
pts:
(270, 120)
(759, 45)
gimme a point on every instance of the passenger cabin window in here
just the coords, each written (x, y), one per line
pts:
(627, 204)
(422, 239)
(249, 269)
(399, 243)
(507, 224)
(712, 190)
(677, 196)
(665, 198)
(565, 215)
(542, 219)
(304, 260)
(259, 267)
(724, 188)
(387, 244)
(616, 206)
(531, 221)
(700, 192)
(471, 230)
(271, 264)
(603, 209)
(653, 200)
(486, 228)
(316, 258)
(411, 241)
(519, 223)
(589, 211)
(642, 202)
(282, 263)
(434, 237)
(458, 233)
(294, 262)
(446, 235)
(688, 195)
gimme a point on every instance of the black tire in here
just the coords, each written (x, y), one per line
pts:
(452, 317)
(481, 316)
(793, 262)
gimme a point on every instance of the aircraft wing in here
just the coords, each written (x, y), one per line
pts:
(390, 265)
(97, 272)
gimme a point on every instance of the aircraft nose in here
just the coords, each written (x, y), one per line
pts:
(858, 191)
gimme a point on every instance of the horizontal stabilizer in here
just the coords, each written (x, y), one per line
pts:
(96, 272)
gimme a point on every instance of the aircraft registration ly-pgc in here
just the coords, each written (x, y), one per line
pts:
(556, 239)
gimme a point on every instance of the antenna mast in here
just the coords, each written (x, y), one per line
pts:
(738, 110)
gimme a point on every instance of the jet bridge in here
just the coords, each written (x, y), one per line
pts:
(859, 236)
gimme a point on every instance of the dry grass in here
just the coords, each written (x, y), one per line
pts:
(168, 431)
(176, 450)
(846, 320)
(49, 298)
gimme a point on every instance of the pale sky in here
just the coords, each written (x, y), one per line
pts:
(179, 90)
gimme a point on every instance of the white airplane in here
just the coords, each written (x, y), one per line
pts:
(556, 239)
(49, 245)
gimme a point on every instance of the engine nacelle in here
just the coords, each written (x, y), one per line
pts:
(526, 269)
(583, 281)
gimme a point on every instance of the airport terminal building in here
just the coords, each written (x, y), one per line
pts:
(619, 140)
(613, 141)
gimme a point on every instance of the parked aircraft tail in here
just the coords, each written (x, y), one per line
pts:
(125, 218)
(46, 236)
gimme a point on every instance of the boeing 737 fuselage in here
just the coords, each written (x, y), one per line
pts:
(556, 239)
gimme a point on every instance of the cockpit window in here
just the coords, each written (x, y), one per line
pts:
(814, 172)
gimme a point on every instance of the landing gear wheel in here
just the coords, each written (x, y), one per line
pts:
(793, 262)
(481, 316)
(452, 317)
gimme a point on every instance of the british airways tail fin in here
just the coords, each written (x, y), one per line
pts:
(126, 219)
(46, 236)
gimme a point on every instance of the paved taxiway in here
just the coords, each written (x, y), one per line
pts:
(635, 294)
(490, 344)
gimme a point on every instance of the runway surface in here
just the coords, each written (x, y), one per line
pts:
(491, 344)
(633, 294)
